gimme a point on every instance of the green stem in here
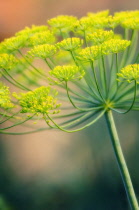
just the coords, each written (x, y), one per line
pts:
(104, 72)
(121, 161)
(95, 78)
(79, 129)
(43, 75)
(133, 101)
(71, 101)
(49, 65)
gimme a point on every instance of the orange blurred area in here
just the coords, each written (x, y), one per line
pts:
(16, 14)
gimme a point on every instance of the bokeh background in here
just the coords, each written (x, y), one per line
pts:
(57, 171)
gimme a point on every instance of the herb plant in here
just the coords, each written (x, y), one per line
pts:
(87, 69)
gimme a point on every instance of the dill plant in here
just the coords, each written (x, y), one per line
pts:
(90, 71)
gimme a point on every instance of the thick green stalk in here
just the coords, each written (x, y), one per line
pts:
(121, 161)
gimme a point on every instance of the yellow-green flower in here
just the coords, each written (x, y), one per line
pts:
(7, 61)
(131, 23)
(83, 25)
(32, 30)
(44, 37)
(66, 73)
(90, 53)
(125, 15)
(100, 36)
(70, 44)
(103, 13)
(13, 44)
(41, 100)
(114, 46)
(63, 23)
(43, 51)
(99, 22)
(130, 73)
(112, 21)
(5, 99)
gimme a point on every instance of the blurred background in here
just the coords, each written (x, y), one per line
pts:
(53, 170)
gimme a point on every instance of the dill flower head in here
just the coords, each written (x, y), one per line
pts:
(86, 53)
(13, 44)
(100, 36)
(63, 23)
(29, 31)
(103, 13)
(99, 22)
(90, 53)
(112, 22)
(129, 73)
(5, 99)
(41, 100)
(7, 61)
(43, 51)
(131, 23)
(66, 73)
(70, 44)
(44, 37)
(124, 15)
(82, 25)
(114, 46)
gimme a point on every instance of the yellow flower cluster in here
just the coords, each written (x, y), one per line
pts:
(63, 23)
(114, 46)
(32, 30)
(43, 51)
(44, 37)
(130, 73)
(124, 15)
(66, 73)
(131, 23)
(82, 25)
(70, 44)
(99, 14)
(100, 36)
(5, 99)
(90, 53)
(7, 61)
(128, 19)
(41, 100)
(13, 44)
